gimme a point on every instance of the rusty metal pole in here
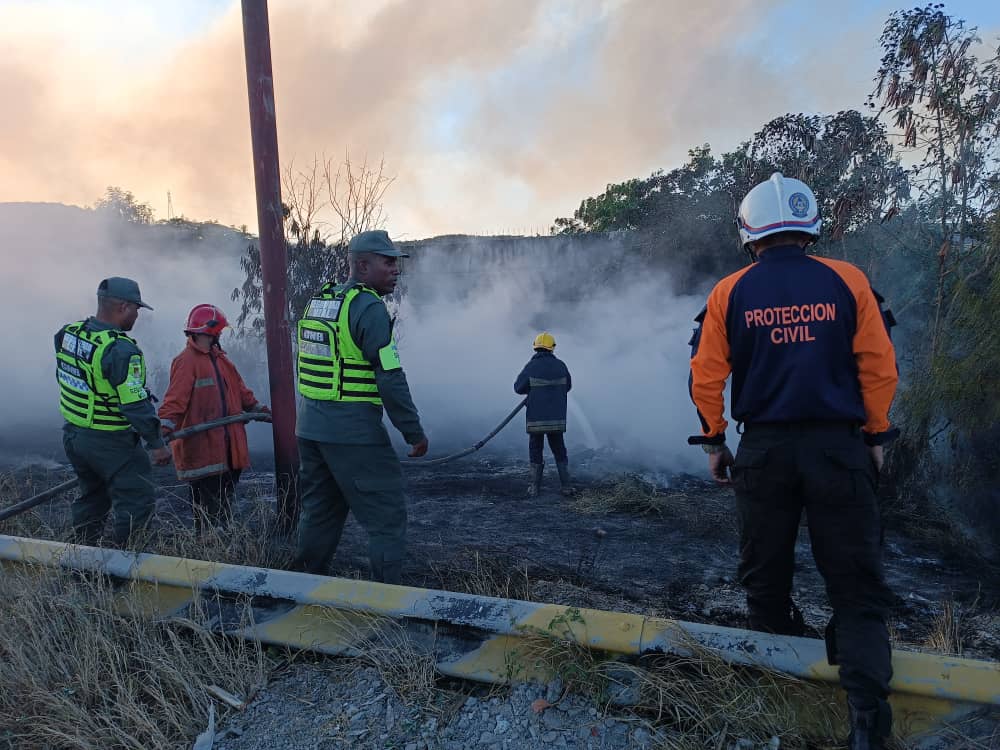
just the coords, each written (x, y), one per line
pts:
(273, 255)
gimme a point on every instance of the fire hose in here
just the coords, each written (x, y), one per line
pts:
(474, 448)
(31, 502)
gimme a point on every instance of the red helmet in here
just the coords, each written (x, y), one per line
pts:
(206, 319)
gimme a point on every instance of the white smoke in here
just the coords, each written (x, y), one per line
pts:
(467, 322)
(469, 319)
(57, 255)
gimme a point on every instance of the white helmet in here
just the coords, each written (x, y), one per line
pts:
(782, 204)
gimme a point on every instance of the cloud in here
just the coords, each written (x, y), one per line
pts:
(494, 114)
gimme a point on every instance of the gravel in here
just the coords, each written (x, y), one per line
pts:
(336, 705)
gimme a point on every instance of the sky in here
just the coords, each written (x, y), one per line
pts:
(494, 116)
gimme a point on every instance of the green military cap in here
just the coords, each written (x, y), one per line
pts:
(376, 241)
(123, 289)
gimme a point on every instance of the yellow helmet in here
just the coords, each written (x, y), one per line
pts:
(545, 340)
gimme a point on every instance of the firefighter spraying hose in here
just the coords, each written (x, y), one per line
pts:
(31, 502)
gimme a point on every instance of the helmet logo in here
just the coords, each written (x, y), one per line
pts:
(799, 204)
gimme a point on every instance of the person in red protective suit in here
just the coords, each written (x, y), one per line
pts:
(205, 385)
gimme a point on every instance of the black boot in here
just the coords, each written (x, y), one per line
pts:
(567, 488)
(869, 726)
(536, 480)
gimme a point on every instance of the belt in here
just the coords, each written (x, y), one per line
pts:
(809, 425)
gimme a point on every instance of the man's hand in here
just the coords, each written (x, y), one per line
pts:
(419, 449)
(263, 408)
(718, 465)
(165, 431)
(160, 456)
(878, 456)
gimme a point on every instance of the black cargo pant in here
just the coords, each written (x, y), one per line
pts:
(536, 443)
(825, 468)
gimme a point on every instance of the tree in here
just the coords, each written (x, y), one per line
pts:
(621, 206)
(687, 213)
(351, 195)
(123, 205)
(945, 103)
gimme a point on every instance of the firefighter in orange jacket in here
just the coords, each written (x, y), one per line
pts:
(205, 385)
(814, 374)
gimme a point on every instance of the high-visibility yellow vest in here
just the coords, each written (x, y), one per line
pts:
(331, 367)
(86, 396)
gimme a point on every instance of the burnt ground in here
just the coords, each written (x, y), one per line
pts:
(671, 551)
(668, 549)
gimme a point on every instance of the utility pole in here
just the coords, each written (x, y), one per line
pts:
(273, 255)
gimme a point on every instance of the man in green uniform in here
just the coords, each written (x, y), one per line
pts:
(348, 370)
(103, 397)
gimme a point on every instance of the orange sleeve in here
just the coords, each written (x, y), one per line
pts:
(710, 366)
(247, 399)
(873, 350)
(175, 401)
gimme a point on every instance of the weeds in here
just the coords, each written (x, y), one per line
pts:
(703, 513)
(82, 666)
(383, 644)
(245, 541)
(43, 520)
(472, 572)
(630, 494)
(697, 701)
(946, 631)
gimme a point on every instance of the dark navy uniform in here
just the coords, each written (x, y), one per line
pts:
(813, 376)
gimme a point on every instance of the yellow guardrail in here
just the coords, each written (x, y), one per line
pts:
(473, 637)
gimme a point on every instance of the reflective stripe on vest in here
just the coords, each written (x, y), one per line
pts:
(331, 367)
(86, 396)
(541, 382)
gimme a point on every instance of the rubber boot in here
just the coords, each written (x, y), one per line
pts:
(536, 480)
(567, 489)
(869, 727)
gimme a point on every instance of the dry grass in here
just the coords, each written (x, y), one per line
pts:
(946, 631)
(698, 701)
(383, 644)
(696, 512)
(46, 521)
(81, 666)
(246, 541)
(630, 494)
(470, 571)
